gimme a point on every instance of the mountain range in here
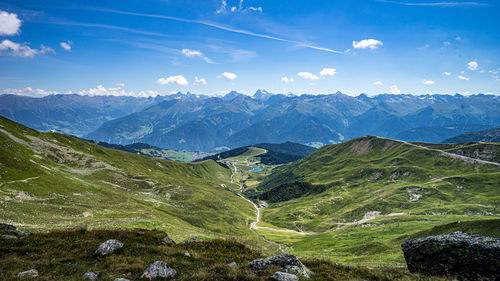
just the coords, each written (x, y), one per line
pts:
(203, 123)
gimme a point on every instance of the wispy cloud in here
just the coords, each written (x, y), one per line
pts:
(106, 26)
(436, 4)
(222, 27)
(195, 53)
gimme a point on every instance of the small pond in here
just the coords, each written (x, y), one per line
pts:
(256, 170)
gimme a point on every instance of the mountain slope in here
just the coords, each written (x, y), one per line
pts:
(373, 174)
(53, 181)
(274, 154)
(486, 136)
(70, 114)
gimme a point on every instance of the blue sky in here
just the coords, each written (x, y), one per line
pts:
(213, 46)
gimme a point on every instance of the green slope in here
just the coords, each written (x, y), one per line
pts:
(53, 181)
(356, 199)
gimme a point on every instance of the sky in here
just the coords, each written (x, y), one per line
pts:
(146, 48)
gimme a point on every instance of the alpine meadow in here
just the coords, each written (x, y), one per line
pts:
(249, 140)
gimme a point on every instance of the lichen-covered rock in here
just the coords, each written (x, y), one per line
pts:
(91, 275)
(167, 240)
(108, 247)
(194, 239)
(283, 276)
(460, 255)
(28, 274)
(7, 227)
(158, 269)
(287, 262)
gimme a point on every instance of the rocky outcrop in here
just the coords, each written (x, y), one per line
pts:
(287, 262)
(11, 232)
(194, 239)
(91, 275)
(283, 276)
(158, 269)
(460, 255)
(32, 273)
(168, 241)
(108, 247)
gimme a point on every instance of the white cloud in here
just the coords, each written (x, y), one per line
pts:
(287, 79)
(473, 65)
(458, 38)
(120, 85)
(200, 81)
(308, 75)
(428, 82)
(446, 43)
(367, 43)
(98, 91)
(173, 80)
(493, 71)
(29, 91)
(66, 45)
(426, 46)
(378, 83)
(446, 73)
(237, 9)
(9, 23)
(194, 53)
(461, 77)
(327, 72)
(10, 48)
(228, 76)
(395, 90)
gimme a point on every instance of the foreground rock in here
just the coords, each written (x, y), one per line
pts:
(167, 240)
(283, 276)
(91, 275)
(12, 230)
(28, 274)
(287, 262)
(194, 239)
(461, 255)
(108, 247)
(158, 269)
(7, 227)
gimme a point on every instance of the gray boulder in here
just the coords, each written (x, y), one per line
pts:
(108, 247)
(287, 262)
(232, 264)
(32, 273)
(158, 269)
(91, 275)
(460, 255)
(167, 240)
(7, 227)
(194, 239)
(121, 279)
(283, 276)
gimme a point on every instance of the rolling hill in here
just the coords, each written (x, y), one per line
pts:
(378, 189)
(484, 136)
(54, 181)
(274, 154)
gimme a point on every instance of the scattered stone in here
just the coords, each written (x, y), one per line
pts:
(461, 255)
(7, 227)
(194, 239)
(158, 269)
(91, 275)
(187, 254)
(108, 247)
(167, 240)
(287, 262)
(233, 264)
(283, 276)
(8, 237)
(29, 273)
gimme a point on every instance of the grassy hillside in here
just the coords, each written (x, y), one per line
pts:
(486, 135)
(57, 256)
(53, 181)
(353, 201)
